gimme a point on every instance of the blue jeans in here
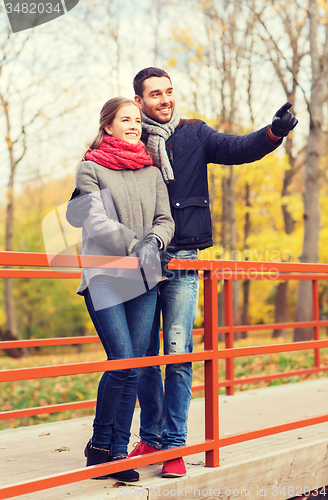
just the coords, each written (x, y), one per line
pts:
(124, 330)
(163, 418)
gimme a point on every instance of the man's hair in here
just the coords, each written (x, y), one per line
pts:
(144, 74)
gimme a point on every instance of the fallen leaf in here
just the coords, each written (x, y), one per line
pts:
(11, 459)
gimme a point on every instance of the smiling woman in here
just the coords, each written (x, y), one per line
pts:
(126, 124)
(129, 215)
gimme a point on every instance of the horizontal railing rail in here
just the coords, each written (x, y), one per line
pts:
(211, 271)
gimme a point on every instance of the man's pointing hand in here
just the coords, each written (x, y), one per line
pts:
(283, 121)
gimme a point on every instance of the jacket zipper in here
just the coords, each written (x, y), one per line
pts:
(171, 153)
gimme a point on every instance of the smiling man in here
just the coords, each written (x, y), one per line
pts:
(157, 99)
(182, 149)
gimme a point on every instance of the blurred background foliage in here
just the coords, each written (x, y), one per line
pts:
(233, 64)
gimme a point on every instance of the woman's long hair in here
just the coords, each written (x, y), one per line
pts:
(107, 115)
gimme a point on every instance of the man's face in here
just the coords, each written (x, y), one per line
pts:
(157, 100)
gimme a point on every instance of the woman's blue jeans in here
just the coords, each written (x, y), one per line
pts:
(163, 418)
(124, 330)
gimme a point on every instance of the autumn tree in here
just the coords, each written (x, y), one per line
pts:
(318, 42)
(285, 49)
(31, 104)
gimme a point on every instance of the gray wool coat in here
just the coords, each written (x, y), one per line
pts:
(126, 206)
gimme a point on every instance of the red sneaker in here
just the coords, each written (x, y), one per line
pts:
(142, 449)
(174, 468)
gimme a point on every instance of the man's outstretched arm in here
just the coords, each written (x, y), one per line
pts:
(235, 150)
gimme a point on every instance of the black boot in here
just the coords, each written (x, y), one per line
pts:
(96, 456)
(126, 476)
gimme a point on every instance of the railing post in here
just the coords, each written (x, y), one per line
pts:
(211, 366)
(228, 321)
(316, 317)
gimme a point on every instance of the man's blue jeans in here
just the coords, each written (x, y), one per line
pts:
(163, 419)
(124, 330)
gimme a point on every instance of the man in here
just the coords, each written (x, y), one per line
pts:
(182, 149)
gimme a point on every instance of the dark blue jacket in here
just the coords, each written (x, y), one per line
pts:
(192, 146)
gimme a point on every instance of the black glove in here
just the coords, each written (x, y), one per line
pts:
(165, 259)
(283, 121)
(78, 208)
(147, 251)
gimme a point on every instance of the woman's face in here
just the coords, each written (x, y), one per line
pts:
(126, 124)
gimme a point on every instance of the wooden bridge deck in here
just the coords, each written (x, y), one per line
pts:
(274, 467)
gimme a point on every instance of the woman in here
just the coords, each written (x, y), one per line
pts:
(130, 215)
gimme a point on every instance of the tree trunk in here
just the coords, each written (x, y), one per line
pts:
(280, 316)
(15, 352)
(246, 283)
(9, 246)
(312, 175)
(224, 219)
(233, 246)
(212, 205)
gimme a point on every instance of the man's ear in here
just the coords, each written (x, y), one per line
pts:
(138, 99)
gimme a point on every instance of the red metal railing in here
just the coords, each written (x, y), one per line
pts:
(212, 271)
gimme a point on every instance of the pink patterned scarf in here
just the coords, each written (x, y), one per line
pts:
(119, 155)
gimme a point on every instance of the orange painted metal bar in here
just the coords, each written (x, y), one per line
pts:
(269, 431)
(211, 368)
(273, 326)
(228, 320)
(32, 259)
(38, 274)
(96, 470)
(268, 349)
(279, 276)
(316, 318)
(225, 383)
(274, 376)
(10, 344)
(47, 274)
(270, 376)
(90, 339)
(40, 410)
(197, 388)
(99, 366)
(265, 267)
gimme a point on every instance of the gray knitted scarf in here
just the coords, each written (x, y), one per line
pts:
(158, 133)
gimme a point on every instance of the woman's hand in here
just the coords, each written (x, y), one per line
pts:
(147, 250)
